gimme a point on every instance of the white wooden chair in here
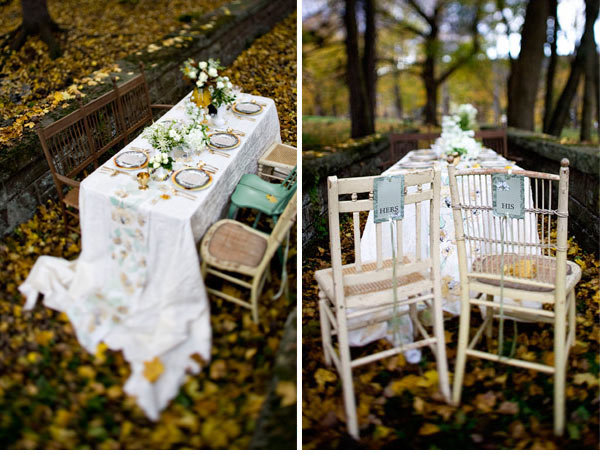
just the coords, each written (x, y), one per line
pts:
(367, 288)
(235, 252)
(532, 272)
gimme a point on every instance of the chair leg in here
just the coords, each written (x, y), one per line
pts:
(572, 316)
(346, 371)
(463, 340)
(440, 345)
(490, 324)
(256, 220)
(559, 367)
(232, 211)
(325, 327)
(254, 299)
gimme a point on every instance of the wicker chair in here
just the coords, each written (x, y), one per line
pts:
(530, 262)
(277, 162)
(231, 248)
(367, 288)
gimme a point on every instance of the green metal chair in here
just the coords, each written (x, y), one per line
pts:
(268, 198)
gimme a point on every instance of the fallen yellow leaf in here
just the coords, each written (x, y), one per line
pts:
(153, 369)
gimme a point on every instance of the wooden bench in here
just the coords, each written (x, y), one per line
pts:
(75, 144)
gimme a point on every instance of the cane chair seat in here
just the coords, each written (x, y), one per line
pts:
(360, 295)
(72, 198)
(544, 272)
(233, 244)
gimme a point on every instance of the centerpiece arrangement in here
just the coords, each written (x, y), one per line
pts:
(167, 136)
(211, 91)
(458, 135)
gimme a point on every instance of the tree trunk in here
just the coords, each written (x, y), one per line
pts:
(589, 51)
(369, 58)
(548, 99)
(563, 105)
(525, 71)
(361, 115)
(398, 95)
(36, 21)
(428, 75)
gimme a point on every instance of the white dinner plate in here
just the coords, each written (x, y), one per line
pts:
(247, 108)
(415, 165)
(223, 140)
(131, 160)
(191, 179)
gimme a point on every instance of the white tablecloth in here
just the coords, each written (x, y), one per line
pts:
(136, 285)
(448, 254)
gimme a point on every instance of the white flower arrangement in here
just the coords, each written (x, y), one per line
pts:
(196, 137)
(456, 140)
(205, 74)
(467, 116)
(165, 136)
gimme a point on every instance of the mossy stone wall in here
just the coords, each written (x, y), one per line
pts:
(543, 153)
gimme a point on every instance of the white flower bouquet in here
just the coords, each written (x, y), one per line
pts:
(161, 160)
(456, 141)
(467, 115)
(205, 75)
(165, 136)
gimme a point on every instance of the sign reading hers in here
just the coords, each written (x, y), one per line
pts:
(388, 198)
(508, 195)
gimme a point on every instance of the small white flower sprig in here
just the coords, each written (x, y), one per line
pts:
(196, 137)
(161, 160)
(206, 75)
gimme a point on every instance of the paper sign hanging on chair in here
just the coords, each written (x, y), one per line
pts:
(508, 193)
(388, 198)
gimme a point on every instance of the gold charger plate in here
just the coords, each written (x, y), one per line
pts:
(124, 166)
(224, 147)
(182, 185)
(258, 107)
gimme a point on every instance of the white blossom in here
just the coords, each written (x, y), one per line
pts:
(202, 65)
(212, 72)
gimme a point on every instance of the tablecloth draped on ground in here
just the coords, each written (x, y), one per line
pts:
(136, 285)
(449, 257)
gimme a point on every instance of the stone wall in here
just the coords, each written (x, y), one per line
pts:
(538, 152)
(25, 180)
(354, 161)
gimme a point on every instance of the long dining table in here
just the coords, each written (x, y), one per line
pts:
(137, 285)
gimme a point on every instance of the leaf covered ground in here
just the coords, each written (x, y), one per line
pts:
(502, 407)
(96, 34)
(55, 395)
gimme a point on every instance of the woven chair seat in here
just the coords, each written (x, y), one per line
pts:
(72, 198)
(355, 294)
(544, 271)
(231, 244)
(280, 154)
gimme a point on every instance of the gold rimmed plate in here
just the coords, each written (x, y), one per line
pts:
(247, 108)
(131, 160)
(223, 141)
(191, 179)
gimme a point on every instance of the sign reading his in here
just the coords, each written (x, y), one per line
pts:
(508, 195)
(388, 198)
